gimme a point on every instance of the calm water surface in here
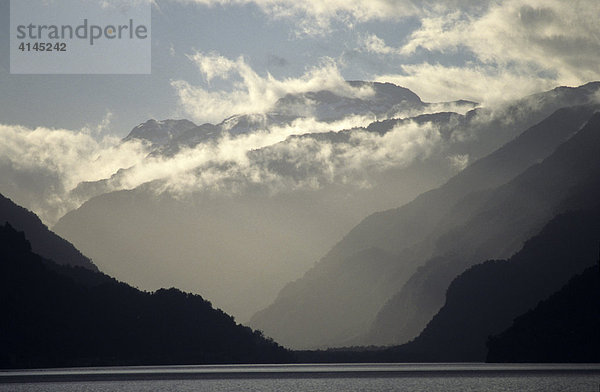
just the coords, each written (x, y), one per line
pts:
(288, 378)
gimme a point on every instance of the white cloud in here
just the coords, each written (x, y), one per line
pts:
(213, 65)
(459, 161)
(371, 43)
(315, 17)
(399, 147)
(298, 162)
(516, 47)
(519, 47)
(484, 84)
(208, 165)
(251, 92)
(58, 160)
(61, 159)
(552, 36)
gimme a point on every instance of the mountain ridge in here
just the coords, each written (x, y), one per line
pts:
(63, 316)
(43, 240)
(356, 240)
(511, 214)
(484, 299)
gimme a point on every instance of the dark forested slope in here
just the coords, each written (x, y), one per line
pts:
(563, 328)
(43, 241)
(57, 316)
(485, 299)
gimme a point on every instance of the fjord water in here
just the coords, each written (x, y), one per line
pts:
(321, 377)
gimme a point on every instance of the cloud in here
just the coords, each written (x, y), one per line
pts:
(371, 43)
(459, 161)
(549, 37)
(251, 92)
(58, 160)
(42, 168)
(226, 160)
(315, 17)
(297, 163)
(484, 84)
(399, 147)
(518, 47)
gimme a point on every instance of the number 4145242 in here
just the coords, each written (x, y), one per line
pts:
(43, 47)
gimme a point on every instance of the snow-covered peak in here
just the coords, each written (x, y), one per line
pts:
(160, 133)
(328, 106)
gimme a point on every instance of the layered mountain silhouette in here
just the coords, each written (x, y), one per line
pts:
(43, 241)
(387, 99)
(498, 221)
(60, 316)
(485, 299)
(563, 328)
(241, 243)
(241, 233)
(486, 211)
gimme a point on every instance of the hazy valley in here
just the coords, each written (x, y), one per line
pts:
(378, 220)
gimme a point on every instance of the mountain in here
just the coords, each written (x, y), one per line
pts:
(62, 316)
(258, 229)
(284, 204)
(159, 133)
(387, 100)
(43, 241)
(302, 316)
(169, 136)
(499, 221)
(486, 298)
(240, 226)
(563, 328)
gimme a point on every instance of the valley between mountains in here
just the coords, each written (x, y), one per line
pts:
(372, 223)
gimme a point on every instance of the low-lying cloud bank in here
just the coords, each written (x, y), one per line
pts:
(41, 167)
(297, 163)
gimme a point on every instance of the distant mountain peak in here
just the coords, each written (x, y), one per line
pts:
(326, 105)
(160, 132)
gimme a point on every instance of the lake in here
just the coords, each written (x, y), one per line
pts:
(310, 377)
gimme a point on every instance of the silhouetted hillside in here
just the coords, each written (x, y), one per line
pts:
(57, 316)
(563, 328)
(485, 299)
(43, 241)
(496, 223)
(414, 234)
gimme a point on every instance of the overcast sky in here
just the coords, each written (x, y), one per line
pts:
(247, 52)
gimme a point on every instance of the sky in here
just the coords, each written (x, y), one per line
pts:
(461, 49)
(212, 59)
(61, 136)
